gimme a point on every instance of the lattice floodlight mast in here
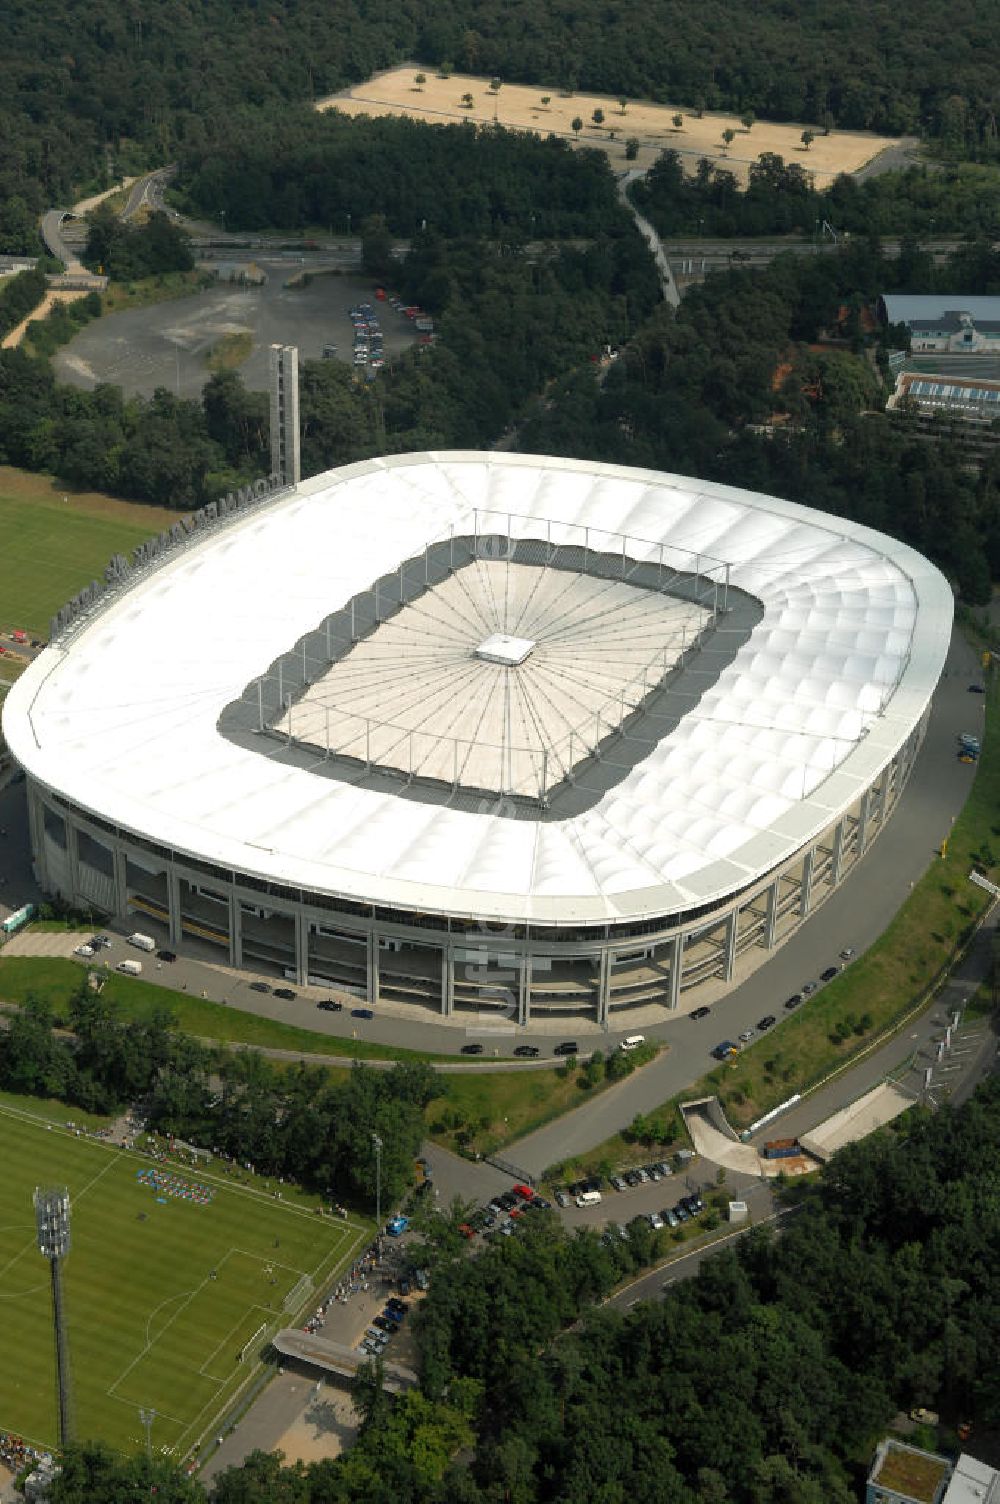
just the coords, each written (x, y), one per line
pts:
(52, 1225)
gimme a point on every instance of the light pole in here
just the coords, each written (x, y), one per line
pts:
(52, 1226)
(147, 1417)
(378, 1184)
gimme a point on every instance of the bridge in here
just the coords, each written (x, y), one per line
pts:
(334, 1357)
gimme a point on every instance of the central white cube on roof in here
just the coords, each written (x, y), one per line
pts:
(508, 651)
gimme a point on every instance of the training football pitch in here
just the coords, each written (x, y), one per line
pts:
(165, 1284)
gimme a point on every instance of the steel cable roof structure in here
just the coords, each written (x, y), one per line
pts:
(714, 689)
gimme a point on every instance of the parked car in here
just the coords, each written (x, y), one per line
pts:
(260, 987)
(664, 1168)
(656, 1221)
(977, 689)
(284, 992)
(701, 1012)
(848, 953)
(725, 1051)
(681, 1212)
(767, 1022)
(562, 1198)
(527, 1051)
(83, 950)
(747, 1034)
(793, 1001)
(653, 1171)
(362, 1013)
(568, 1047)
(808, 987)
(330, 1005)
(670, 1217)
(524, 1191)
(166, 955)
(829, 974)
(618, 1183)
(472, 1049)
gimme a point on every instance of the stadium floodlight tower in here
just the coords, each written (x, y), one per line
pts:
(52, 1224)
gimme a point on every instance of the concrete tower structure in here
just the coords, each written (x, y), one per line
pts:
(284, 387)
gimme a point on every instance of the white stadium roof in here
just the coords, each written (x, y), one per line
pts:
(123, 718)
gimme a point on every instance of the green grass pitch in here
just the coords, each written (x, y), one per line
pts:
(47, 556)
(149, 1325)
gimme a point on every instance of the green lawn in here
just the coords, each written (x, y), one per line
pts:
(50, 547)
(162, 1291)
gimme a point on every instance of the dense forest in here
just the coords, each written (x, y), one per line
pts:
(767, 1379)
(296, 168)
(780, 199)
(86, 91)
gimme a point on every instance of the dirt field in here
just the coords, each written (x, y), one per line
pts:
(521, 108)
(45, 306)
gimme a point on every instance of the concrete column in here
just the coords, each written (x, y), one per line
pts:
(676, 962)
(447, 981)
(771, 918)
(174, 905)
(863, 816)
(805, 897)
(235, 931)
(729, 946)
(524, 988)
(837, 855)
(373, 965)
(73, 860)
(883, 794)
(36, 828)
(604, 989)
(301, 948)
(121, 882)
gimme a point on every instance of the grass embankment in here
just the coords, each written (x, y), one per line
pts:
(57, 980)
(481, 1113)
(148, 290)
(54, 541)
(230, 351)
(872, 995)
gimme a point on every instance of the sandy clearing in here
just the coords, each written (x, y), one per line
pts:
(519, 107)
(45, 306)
(84, 205)
(325, 1428)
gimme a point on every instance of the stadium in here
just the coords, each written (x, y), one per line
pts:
(491, 734)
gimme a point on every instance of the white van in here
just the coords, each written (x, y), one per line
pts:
(589, 1198)
(130, 968)
(632, 1042)
(142, 942)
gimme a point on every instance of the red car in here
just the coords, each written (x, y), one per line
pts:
(524, 1191)
(466, 1230)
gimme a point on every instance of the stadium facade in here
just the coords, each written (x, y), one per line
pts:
(483, 733)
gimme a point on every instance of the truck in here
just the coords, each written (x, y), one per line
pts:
(130, 968)
(142, 942)
(782, 1148)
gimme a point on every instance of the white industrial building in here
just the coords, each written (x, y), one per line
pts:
(488, 732)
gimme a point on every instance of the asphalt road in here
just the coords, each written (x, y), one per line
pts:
(51, 227)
